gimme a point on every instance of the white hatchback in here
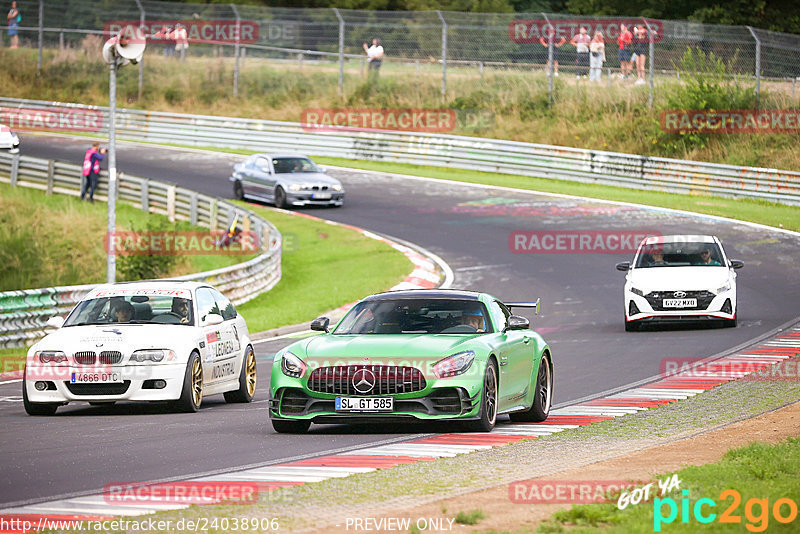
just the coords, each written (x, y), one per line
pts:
(678, 278)
(8, 139)
(142, 341)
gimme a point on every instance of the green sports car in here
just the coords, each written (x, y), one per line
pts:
(416, 355)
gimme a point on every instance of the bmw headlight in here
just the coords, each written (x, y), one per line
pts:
(337, 187)
(292, 366)
(152, 355)
(454, 365)
(723, 289)
(54, 356)
(636, 291)
(295, 187)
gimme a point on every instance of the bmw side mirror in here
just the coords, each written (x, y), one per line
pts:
(320, 324)
(517, 322)
(737, 264)
(55, 322)
(624, 266)
(212, 319)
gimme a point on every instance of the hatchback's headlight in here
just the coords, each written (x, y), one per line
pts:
(292, 366)
(636, 291)
(337, 187)
(454, 365)
(54, 356)
(153, 355)
(723, 289)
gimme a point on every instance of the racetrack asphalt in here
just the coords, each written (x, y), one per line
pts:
(83, 448)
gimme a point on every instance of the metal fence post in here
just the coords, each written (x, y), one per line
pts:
(145, 195)
(444, 54)
(41, 37)
(141, 63)
(550, 34)
(14, 167)
(51, 167)
(341, 51)
(651, 32)
(758, 66)
(236, 51)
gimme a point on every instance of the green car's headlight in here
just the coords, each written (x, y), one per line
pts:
(454, 365)
(292, 366)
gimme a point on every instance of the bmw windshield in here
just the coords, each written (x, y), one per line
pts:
(416, 316)
(133, 309)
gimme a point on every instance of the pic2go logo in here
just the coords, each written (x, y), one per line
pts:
(756, 511)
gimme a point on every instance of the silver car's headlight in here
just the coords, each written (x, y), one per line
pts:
(295, 187)
(723, 289)
(153, 355)
(337, 187)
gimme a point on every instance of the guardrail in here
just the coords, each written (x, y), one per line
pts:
(493, 155)
(23, 314)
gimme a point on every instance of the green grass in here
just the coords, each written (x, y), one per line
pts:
(756, 471)
(56, 240)
(324, 267)
(768, 213)
(470, 518)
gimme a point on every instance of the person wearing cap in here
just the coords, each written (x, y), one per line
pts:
(473, 319)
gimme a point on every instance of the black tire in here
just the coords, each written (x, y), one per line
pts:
(284, 426)
(238, 190)
(36, 408)
(192, 392)
(631, 326)
(247, 380)
(488, 411)
(730, 323)
(542, 397)
(280, 198)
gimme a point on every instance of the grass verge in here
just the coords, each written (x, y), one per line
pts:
(759, 474)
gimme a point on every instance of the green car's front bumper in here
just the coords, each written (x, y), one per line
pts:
(448, 398)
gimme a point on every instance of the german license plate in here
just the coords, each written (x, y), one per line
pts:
(95, 378)
(364, 404)
(321, 196)
(680, 303)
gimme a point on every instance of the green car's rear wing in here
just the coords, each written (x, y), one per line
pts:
(535, 305)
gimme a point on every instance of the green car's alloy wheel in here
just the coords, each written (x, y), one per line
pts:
(290, 427)
(542, 397)
(192, 393)
(488, 411)
(247, 380)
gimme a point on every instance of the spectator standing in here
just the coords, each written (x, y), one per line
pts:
(87, 168)
(14, 18)
(597, 53)
(374, 56)
(94, 174)
(581, 43)
(641, 44)
(181, 41)
(624, 41)
(550, 34)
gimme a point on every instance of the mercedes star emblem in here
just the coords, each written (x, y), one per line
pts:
(363, 381)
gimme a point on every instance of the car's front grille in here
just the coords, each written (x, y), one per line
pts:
(656, 299)
(110, 357)
(366, 379)
(446, 400)
(319, 188)
(98, 389)
(84, 358)
(293, 401)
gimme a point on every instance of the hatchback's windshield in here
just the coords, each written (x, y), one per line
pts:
(287, 165)
(676, 254)
(133, 309)
(416, 316)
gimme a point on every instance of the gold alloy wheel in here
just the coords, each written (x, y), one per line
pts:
(251, 373)
(197, 382)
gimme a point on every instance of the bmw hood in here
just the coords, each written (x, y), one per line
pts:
(679, 278)
(314, 178)
(393, 349)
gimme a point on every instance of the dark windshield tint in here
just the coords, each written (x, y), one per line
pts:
(288, 165)
(679, 255)
(416, 316)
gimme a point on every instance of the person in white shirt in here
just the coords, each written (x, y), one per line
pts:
(597, 49)
(374, 55)
(181, 40)
(581, 43)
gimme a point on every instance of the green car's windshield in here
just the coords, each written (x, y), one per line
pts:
(679, 255)
(416, 316)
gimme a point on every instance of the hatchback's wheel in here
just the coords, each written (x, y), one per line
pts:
(488, 411)
(543, 395)
(247, 380)
(284, 426)
(192, 392)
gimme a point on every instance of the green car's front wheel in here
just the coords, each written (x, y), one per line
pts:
(488, 412)
(542, 398)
